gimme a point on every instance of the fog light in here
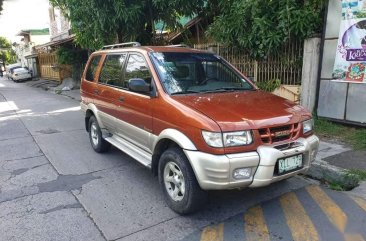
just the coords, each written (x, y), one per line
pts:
(242, 173)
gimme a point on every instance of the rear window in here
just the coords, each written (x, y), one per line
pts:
(92, 68)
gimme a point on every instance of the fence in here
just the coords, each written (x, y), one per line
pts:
(50, 69)
(285, 66)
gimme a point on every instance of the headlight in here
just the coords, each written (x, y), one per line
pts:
(307, 126)
(213, 139)
(228, 139)
(238, 138)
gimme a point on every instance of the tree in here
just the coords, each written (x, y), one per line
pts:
(263, 26)
(99, 22)
(7, 54)
(1, 5)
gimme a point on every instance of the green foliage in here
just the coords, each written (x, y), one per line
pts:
(1, 5)
(7, 55)
(361, 174)
(70, 56)
(4, 43)
(269, 85)
(263, 26)
(356, 137)
(96, 23)
(347, 182)
(360, 15)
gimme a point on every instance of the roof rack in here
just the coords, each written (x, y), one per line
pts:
(179, 46)
(133, 44)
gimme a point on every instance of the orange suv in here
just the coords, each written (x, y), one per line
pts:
(194, 120)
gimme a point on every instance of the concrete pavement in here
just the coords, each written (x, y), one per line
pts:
(310, 213)
(53, 186)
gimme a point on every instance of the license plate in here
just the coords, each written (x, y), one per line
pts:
(289, 163)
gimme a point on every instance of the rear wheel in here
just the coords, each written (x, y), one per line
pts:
(178, 181)
(95, 135)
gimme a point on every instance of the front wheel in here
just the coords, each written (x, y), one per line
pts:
(180, 187)
(95, 135)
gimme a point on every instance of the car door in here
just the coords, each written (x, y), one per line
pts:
(89, 79)
(107, 94)
(134, 110)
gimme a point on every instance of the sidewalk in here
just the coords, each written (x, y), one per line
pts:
(332, 162)
(52, 86)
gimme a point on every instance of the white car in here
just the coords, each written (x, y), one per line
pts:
(20, 74)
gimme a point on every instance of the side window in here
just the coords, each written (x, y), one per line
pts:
(92, 68)
(137, 68)
(111, 73)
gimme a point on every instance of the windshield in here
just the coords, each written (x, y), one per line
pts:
(183, 73)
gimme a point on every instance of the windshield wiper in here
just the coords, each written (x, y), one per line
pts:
(226, 89)
(184, 92)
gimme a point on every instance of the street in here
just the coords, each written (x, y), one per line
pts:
(53, 186)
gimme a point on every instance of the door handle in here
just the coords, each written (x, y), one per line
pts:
(96, 92)
(121, 98)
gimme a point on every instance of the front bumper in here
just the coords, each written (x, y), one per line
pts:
(214, 172)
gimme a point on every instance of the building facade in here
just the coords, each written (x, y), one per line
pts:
(25, 49)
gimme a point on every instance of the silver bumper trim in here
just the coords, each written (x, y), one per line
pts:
(215, 171)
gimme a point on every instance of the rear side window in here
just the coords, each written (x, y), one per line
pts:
(92, 68)
(137, 68)
(111, 73)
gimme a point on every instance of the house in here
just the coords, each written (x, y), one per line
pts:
(60, 35)
(192, 31)
(25, 49)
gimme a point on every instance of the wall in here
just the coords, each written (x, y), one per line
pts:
(40, 39)
(339, 101)
(59, 25)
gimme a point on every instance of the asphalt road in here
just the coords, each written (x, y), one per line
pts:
(53, 186)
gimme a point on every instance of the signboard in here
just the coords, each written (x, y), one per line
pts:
(350, 62)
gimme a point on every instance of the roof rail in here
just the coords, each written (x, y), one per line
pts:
(179, 46)
(133, 44)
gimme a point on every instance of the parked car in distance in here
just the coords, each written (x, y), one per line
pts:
(194, 120)
(10, 68)
(20, 74)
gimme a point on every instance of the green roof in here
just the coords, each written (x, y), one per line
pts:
(44, 31)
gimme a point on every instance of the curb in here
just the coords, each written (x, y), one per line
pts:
(322, 170)
(337, 178)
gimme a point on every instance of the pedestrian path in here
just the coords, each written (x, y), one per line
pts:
(308, 214)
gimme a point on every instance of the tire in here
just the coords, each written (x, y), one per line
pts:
(188, 198)
(95, 136)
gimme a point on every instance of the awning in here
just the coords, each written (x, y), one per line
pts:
(55, 43)
(31, 56)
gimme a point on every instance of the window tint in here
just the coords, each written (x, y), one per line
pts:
(92, 68)
(215, 70)
(111, 73)
(182, 73)
(137, 68)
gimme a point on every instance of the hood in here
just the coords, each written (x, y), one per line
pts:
(244, 109)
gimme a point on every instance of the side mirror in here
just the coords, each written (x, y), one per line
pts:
(139, 85)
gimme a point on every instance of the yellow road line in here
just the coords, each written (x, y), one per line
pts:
(213, 233)
(360, 202)
(255, 225)
(330, 208)
(298, 221)
(353, 237)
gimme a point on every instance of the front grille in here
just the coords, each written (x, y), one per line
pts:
(279, 133)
